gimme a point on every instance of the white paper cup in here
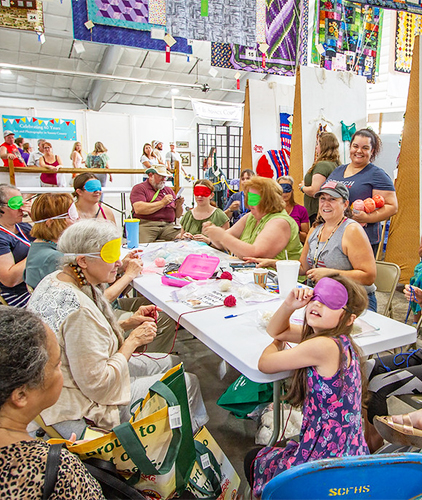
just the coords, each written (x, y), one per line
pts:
(260, 277)
(287, 274)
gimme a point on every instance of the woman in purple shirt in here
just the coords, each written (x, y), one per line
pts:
(296, 211)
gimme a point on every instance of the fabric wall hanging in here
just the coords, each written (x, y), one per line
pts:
(119, 35)
(126, 13)
(349, 37)
(407, 27)
(284, 19)
(28, 15)
(231, 22)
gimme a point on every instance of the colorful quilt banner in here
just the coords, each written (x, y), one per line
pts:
(349, 37)
(408, 26)
(27, 19)
(30, 127)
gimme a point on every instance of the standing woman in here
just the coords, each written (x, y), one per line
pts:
(328, 158)
(14, 246)
(88, 198)
(52, 162)
(99, 159)
(76, 156)
(296, 211)
(27, 150)
(204, 211)
(148, 158)
(365, 180)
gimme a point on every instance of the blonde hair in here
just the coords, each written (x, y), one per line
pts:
(100, 148)
(328, 145)
(74, 148)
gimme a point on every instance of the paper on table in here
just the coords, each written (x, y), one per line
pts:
(362, 327)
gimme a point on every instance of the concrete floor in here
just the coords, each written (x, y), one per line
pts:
(236, 437)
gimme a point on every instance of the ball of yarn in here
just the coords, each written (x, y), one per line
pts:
(358, 205)
(225, 275)
(369, 205)
(159, 262)
(225, 285)
(379, 200)
(230, 301)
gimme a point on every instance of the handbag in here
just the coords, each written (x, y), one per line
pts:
(153, 452)
(212, 476)
(243, 396)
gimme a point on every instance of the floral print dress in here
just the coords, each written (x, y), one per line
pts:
(331, 426)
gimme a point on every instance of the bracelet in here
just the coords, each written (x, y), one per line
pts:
(301, 189)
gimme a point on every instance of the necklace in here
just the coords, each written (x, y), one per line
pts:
(78, 275)
(316, 254)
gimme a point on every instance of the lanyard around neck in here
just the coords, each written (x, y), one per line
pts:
(316, 254)
(155, 195)
(23, 240)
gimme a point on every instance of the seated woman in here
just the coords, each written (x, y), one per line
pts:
(31, 381)
(148, 158)
(298, 212)
(15, 241)
(392, 375)
(267, 231)
(192, 221)
(88, 198)
(51, 213)
(101, 377)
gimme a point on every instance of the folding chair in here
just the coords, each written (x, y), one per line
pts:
(379, 477)
(388, 275)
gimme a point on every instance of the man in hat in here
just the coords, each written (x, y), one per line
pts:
(157, 148)
(9, 150)
(156, 207)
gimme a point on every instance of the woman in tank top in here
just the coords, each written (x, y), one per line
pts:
(88, 198)
(52, 162)
(337, 244)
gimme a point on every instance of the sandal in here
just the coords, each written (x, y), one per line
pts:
(396, 433)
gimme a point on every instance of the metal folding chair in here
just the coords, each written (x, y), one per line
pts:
(388, 275)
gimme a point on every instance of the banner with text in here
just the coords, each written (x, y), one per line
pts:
(31, 127)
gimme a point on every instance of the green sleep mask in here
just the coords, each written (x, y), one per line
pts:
(253, 199)
(15, 202)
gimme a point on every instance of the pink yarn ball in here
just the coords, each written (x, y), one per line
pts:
(359, 205)
(159, 262)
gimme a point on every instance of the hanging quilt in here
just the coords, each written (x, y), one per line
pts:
(119, 35)
(408, 26)
(349, 37)
(28, 17)
(283, 18)
(126, 13)
(231, 21)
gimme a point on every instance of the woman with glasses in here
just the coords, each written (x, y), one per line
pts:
(51, 213)
(15, 240)
(88, 193)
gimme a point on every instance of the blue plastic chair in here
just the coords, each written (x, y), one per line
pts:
(381, 477)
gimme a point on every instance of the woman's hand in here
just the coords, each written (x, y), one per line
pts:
(298, 298)
(142, 335)
(214, 233)
(203, 238)
(134, 268)
(261, 262)
(187, 236)
(301, 184)
(234, 206)
(315, 274)
(417, 297)
(360, 216)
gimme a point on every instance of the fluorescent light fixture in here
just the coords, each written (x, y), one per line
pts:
(6, 72)
(174, 91)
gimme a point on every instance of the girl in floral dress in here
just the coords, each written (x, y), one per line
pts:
(326, 381)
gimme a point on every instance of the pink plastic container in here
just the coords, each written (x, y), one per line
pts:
(198, 267)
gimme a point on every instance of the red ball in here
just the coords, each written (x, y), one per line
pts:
(225, 275)
(379, 200)
(369, 205)
(230, 301)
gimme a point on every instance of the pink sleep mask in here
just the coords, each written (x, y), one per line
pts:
(331, 293)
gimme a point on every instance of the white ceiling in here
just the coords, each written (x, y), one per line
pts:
(23, 49)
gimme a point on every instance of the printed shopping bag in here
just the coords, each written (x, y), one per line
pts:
(213, 476)
(243, 396)
(154, 451)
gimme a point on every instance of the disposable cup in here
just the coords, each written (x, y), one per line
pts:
(260, 277)
(287, 274)
(132, 232)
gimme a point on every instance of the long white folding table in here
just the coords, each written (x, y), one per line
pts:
(240, 341)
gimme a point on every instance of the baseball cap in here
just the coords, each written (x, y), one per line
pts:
(335, 189)
(7, 132)
(159, 169)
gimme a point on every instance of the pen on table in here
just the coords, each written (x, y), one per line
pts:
(235, 315)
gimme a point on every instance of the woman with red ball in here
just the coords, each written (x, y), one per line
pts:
(366, 180)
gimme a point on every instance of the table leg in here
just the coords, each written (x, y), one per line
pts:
(277, 387)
